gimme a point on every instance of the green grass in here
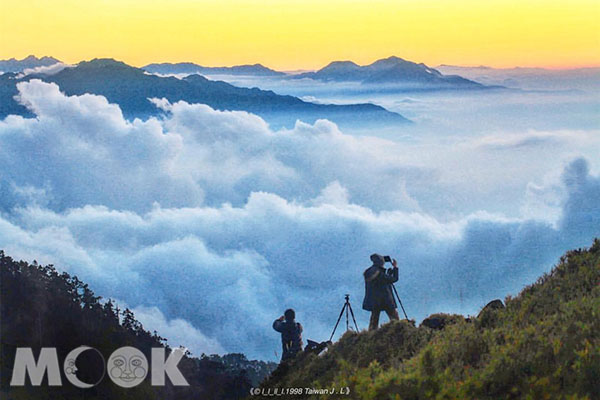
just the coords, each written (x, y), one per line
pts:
(544, 345)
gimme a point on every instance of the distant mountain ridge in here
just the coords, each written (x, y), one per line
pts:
(586, 79)
(131, 87)
(14, 65)
(192, 68)
(391, 70)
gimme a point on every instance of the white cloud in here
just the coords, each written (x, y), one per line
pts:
(210, 224)
(83, 148)
(179, 332)
(44, 70)
(229, 271)
(533, 139)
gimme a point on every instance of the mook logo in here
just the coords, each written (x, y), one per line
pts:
(126, 367)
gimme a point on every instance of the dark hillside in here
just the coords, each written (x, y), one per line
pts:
(544, 344)
(41, 307)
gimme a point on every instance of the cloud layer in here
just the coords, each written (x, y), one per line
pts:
(44, 70)
(209, 224)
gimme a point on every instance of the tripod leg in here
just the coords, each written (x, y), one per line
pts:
(353, 319)
(338, 321)
(404, 311)
(400, 301)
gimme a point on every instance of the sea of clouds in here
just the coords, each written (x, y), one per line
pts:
(210, 224)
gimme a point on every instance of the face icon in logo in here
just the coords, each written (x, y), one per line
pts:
(127, 367)
(91, 367)
(70, 368)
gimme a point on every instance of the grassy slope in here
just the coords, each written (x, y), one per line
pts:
(545, 344)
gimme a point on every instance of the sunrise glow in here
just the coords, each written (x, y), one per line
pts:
(306, 34)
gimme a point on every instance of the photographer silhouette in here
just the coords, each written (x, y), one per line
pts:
(379, 295)
(291, 334)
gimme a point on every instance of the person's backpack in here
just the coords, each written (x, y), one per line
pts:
(316, 347)
(292, 338)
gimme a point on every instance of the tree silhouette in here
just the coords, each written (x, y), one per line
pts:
(40, 307)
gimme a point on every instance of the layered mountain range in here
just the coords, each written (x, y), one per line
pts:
(392, 70)
(131, 87)
(585, 79)
(14, 65)
(191, 68)
(388, 71)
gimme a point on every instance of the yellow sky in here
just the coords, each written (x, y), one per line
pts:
(306, 34)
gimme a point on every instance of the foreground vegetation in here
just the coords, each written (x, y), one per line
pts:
(544, 345)
(40, 307)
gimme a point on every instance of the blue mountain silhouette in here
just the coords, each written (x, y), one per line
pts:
(392, 70)
(14, 65)
(191, 68)
(131, 87)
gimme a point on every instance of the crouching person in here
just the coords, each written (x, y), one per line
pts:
(291, 334)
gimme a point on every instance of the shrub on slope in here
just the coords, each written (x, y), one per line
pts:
(544, 344)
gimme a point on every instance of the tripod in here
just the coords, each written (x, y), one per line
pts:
(346, 307)
(400, 301)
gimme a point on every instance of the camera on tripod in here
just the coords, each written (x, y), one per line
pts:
(347, 308)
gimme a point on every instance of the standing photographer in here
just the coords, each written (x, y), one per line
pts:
(378, 290)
